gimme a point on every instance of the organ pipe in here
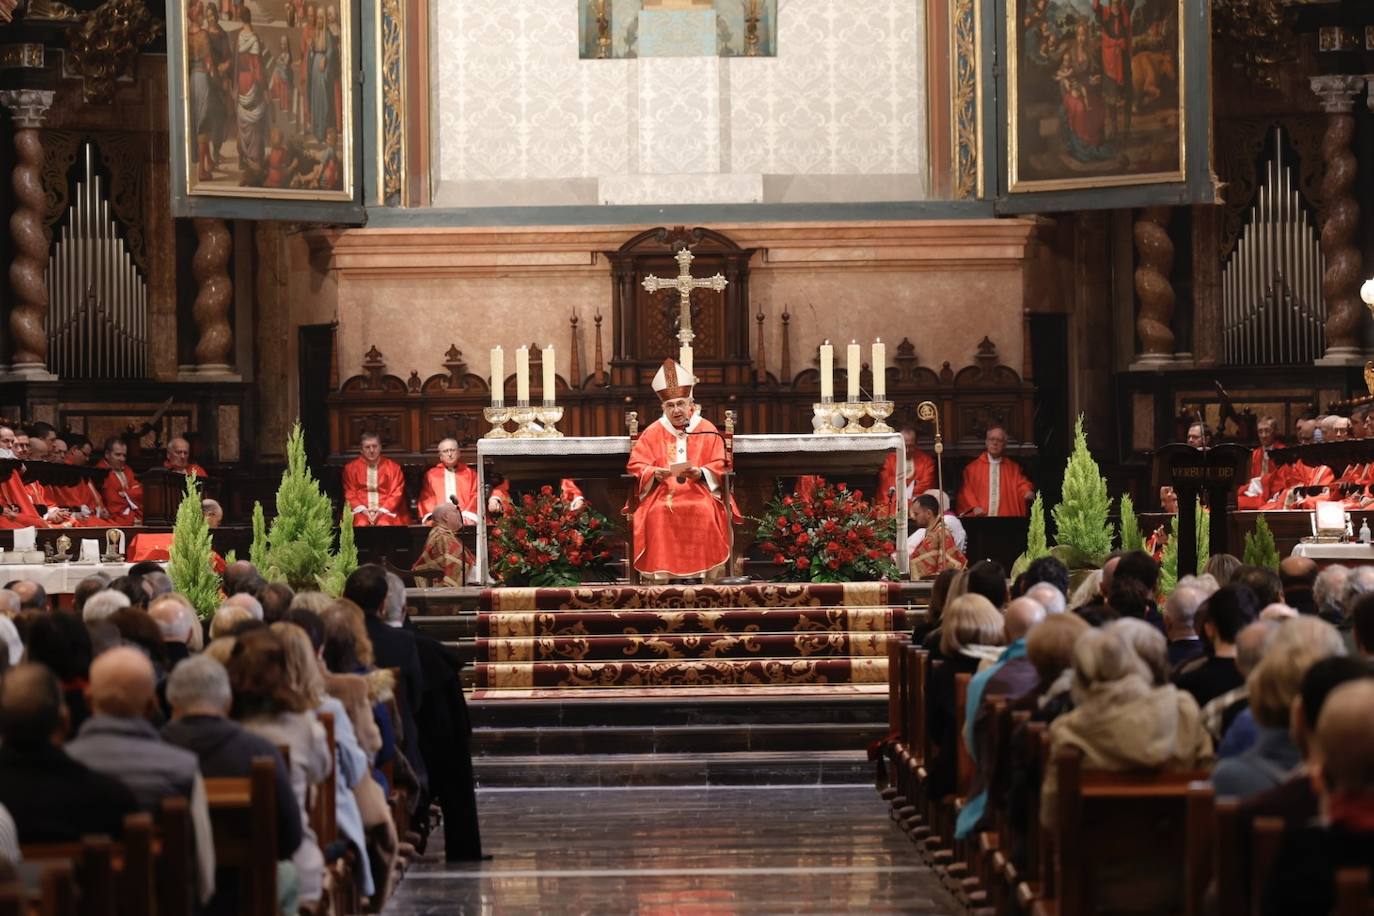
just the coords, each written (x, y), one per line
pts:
(98, 308)
(1273, 312)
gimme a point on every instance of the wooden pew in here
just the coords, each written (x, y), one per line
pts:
(1352, 892)
(105, 873)
(1106, 820)
(916, 666)
(342, 888)
(175, 868)
(1200, 853)
(243, 815)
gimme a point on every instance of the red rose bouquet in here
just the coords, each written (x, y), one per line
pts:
(835, 535)
(541, 541)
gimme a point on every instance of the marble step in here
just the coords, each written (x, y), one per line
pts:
(675, 769)
(619, 740)
(668, 708)
(674, 646)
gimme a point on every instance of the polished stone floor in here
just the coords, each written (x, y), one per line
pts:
(697, 850)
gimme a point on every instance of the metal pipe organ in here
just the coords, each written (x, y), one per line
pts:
(98, 300)
(1272, 305)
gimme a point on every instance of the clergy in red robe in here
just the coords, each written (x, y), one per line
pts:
(568, 491)
(920, 475)
(993, 484)
(122, 493)
(449, 482)
(374, 487)
(936, 550)
(1263, 471)
(179, 458)
(681, 528)
(19, 503)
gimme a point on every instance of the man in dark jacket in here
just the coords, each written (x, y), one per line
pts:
(52, 798)
(199, 693)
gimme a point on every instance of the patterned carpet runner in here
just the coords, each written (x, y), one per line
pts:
(685, 636)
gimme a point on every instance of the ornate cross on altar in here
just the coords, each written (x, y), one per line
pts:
(684, 283)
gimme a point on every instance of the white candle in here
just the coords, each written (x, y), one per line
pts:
(498, 377)
(879, 370)
(522, 375)
(549, 384)
(684, 359)
(827, 372)
(853, 371)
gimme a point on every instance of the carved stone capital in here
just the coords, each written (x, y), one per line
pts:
(1337, 92)
(28, 106)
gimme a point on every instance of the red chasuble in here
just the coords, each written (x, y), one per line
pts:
(680, 528)
(16, 494)
(920, 476)
(382, 487)
(1013, 488)
(1269, 474)
(936, 552)
(123, 496)
(191, 468)
(441, 484)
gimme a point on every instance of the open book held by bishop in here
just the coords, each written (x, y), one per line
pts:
(681, 529)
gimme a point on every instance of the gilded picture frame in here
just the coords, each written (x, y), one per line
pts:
(264, 108)
(1097, 96)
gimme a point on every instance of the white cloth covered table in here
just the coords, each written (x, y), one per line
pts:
(59, 578)
(1336, 553)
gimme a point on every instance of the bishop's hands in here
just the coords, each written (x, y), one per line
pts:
(689, 473)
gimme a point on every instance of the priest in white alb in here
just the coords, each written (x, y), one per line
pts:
(681, 526)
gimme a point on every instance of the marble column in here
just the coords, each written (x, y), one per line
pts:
(214, 300)
(1340, 221)
(1154, 265)
(28, 316)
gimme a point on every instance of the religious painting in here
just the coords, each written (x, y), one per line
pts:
(263, 105)
(1095, 93)
(609, 29)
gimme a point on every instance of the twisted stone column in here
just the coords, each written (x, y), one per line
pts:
(30, 310)
(1154, 265)
(1340, 220)
(214, 297)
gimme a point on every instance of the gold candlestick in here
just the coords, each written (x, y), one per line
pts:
(548, 416)
(523, 418)
(880, 411)
(853, 412)
(824, 424)
(498, 417)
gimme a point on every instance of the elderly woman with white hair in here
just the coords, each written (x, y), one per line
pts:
(1121, 720)
(1293, 648)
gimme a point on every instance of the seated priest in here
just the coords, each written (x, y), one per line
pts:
(1289, 478)
(179, 459)
(993, 484)
(442, 562)
(919, 476)
(933, 546)
(1260, 486)
(374, 487)
(122, 493)
(451, 483)
(213, 513)
(681, 525)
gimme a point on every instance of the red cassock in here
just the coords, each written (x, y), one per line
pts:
(441, 484)
(680, 528)
(1013, 488)
(191, 468)
(568, 491)
(382, 487)
(123, 496)
(16, 494)
(920, 476)
(74, 497)
(1268, 472)
(1298, 474)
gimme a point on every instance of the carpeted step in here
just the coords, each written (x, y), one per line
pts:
(676, 597)
(534, 624)
(720, 769)
(669, 647)
(684, 673)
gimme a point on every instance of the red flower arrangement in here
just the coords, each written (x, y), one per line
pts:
(541, 541)
(834, 536)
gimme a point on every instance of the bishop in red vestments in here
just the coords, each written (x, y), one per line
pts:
(449, 482)
(122, 493)
(374, 487)
(993, 484)
(179, 458)
(681, 528)
(1263, 471)
(920, 475)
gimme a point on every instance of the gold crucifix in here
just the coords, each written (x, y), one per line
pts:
(684, 283)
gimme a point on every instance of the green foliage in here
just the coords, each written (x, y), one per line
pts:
(1204, 534)
(1131, 537)
(1168, 561)
(345, 560)
(257, 551)
(1037, 545)
(301, 537)
(1260, 549)
(1081, 518)
(191, 567)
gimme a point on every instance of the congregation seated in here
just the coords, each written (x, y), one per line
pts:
(1225, 613)
(1222, 711)
(972, 633)
(1180, 616)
